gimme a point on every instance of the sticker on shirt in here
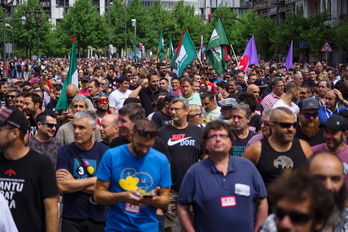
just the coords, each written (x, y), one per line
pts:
(132, 208)
(228, 201)
(242, 190)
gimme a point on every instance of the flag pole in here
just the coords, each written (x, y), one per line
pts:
(234, 54)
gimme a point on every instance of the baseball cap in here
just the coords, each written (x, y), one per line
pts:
(86, 78)
(336, 122)
(310, 104)
(227, 103)
(14, 117)
(34, 80)
(170, 97)
(261, 83)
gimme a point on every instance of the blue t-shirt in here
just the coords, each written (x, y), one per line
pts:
(127, 172)
(77, 205)
(222, 203)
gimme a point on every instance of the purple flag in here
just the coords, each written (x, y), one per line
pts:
(289, 57)
(249, 56)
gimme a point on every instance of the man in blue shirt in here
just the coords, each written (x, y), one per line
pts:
(226, 192)
(134, 179)
(332, 98)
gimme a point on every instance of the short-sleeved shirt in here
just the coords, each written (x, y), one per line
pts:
(127, 172)
(222, 203)
(77, 205)
(25, 183)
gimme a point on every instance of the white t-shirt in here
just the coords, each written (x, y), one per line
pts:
(294, 108)
(117, 98)
(6, 220)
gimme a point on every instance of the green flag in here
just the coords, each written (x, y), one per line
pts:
(71, 78)
(40, 57)
(218, 47)
(186, 53)
(134, 51)
(161, 47)
(171, 52)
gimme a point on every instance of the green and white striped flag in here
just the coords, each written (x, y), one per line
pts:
(71, 78)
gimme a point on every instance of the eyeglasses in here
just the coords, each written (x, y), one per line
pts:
(50, 125)
(146, 134)
(280, 86)
(285, 124)
(200, 115)
(175, 109)
(215, 136)
(295, 217)
(10, 96)
(308, 115)
(266, 123)
(27, 89)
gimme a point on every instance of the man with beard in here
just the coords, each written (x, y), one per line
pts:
(11, 96)
(44, 141)
(308, 127)
(288, 100)
(327, 168)
(102, 106)
(334, 134)
(148, 94)
(32, 107)
(302, 204)
(280, 152)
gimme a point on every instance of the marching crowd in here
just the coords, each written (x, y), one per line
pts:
(263, 149)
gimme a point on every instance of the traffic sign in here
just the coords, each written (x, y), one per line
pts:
(326, 47)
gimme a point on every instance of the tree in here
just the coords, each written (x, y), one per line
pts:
(84, 22)
(340, 35)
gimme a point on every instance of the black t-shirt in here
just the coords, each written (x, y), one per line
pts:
(147, 98)
(159, 145)
(239, 144)
(161, 119)
(318, 139)
(185, 148)
(25, 183)
(254, 123)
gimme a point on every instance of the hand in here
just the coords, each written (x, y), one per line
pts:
(338, 94)
(63, 174)
(150, 200)
(131, 197)
(145, 83)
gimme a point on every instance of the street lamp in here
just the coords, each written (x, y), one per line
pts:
(134, 24)
(109, 25)
(4, 3)
(37, 23)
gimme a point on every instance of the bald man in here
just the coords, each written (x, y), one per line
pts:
(71, 91)
(108, 128)
(255, 90)
(280, 152)
(332, 98)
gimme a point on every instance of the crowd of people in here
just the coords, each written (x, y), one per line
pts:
(263, 149)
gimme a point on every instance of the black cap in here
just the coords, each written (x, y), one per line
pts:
(336, 122)
(261, 83)
(310, 104)
(14, 117)
(170, 97)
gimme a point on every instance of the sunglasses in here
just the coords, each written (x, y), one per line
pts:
(10, 96)
(285, 124)
(146, 134)
(50, 125)
(84, 81)
(308, 115)
(295, 217)
(28, 89)
(103, 100)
